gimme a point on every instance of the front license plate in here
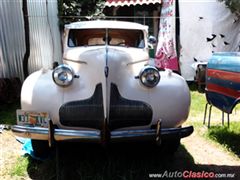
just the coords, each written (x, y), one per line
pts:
(32, 118)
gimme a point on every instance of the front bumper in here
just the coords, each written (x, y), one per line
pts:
(96, 135)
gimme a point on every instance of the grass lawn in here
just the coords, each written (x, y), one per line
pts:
(229, 138)
(8, 113)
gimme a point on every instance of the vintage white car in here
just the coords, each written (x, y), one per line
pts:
(106, 90)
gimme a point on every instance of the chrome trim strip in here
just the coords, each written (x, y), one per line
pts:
(59, 134)
(133, 133)
(75, 61)
(95, 135)
(30, 132)
(81, 135)
(139, 61)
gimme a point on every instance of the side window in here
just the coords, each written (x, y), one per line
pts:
(71, 40)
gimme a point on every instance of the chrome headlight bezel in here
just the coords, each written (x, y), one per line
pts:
(149, 76)
(63, 75)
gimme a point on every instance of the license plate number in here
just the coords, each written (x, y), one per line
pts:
(32, 118)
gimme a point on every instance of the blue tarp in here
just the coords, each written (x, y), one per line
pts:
(27, 148)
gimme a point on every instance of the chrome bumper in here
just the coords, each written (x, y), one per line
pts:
(95, 135)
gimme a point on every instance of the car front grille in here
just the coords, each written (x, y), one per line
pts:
(84, 113)
(126, 112)
(90, 112)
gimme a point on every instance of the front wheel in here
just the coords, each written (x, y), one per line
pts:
(40, 148)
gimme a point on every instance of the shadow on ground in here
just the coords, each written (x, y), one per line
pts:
(119, 161)
(225, 136)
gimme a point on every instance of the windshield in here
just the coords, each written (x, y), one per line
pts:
(116, 37)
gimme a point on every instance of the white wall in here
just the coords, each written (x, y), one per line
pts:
(45, 40)
(202, 19)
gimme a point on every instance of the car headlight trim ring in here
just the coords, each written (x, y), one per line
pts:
(63, 75)
(149, 76)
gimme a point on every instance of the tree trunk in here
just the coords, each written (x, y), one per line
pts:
(27, 40)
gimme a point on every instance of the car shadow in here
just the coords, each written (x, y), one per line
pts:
(118, 161)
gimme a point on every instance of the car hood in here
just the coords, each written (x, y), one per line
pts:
(121, 54)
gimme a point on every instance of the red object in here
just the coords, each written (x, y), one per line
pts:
(130, 2)
(223, 90)
(225, 75)
(162, 62)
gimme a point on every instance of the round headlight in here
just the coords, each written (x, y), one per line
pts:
(149, 76)
(63, 75)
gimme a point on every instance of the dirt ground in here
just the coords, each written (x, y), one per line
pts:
(207, 153)
(10, 150)
(197, 154)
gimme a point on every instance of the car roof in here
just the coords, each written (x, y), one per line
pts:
(106, 24)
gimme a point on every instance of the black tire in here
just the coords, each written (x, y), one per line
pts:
(170, 146)
(41, 148)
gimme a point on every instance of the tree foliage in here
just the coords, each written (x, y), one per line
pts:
(233, 5)
(75, 10)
